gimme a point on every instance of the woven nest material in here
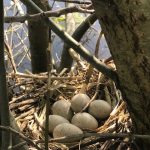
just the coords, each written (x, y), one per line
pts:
(29, 93)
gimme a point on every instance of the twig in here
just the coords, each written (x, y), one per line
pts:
(98, 44)
(10, 55)
(90, 71)
(107, 95)
(75, 45)
(86, 143)
(15, 147)
(33, 76)
(74, 1)
(111, 118)
(31, 111)
(94, 96)
(102, 136)
(77, 35)
(38, 121)
(54, 13)
(24, 96)
(9, 129)
(29, 101)
(49, 95)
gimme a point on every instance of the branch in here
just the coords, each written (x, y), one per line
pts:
(102, 136)
(55, 13)
(16, 140)
(5, 138)
(29, 141)
(17, 146)
(100, 66)
(10, 55)
(77, 35)
(43, 77)
(76, 2)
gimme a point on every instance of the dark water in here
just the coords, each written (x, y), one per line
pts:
(89, 40)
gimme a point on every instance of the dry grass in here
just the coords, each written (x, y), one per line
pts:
(28, 94)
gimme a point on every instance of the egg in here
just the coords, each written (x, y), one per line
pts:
(100, 109)
(84, 121)
(55, 120)
(62, 108)
(66, 129)
(79, 101)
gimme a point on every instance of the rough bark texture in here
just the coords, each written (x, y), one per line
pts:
(38, 37)
(126, 26)
(4, 108)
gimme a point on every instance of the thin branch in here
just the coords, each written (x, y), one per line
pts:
(29, 141)
(100, 66)
(94, 96)
(43, 77)
(10, 55)
(77, 35)
(90, 70)
(48, 97)
(17, 146)
(55, 13)
(76, 2)
(5, 139)
(102, 136)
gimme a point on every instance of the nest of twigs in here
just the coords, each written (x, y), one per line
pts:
(29, 94)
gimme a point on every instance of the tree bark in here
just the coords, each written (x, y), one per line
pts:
(126, 27)
(38, 39)
(4, 108)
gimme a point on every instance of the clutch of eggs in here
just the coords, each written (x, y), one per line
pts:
(63, 112)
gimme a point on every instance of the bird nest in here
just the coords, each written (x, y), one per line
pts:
(30, 92)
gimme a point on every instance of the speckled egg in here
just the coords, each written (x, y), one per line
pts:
(84, 121)
(79, 101)
(100, 109)
(62, 108)
(55, 120)
(66, 129)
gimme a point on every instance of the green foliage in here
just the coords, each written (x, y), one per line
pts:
(78, 18)
(60, 21)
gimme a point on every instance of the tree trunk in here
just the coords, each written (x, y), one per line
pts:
(126, 27)
(38, 39)
(4, 108)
